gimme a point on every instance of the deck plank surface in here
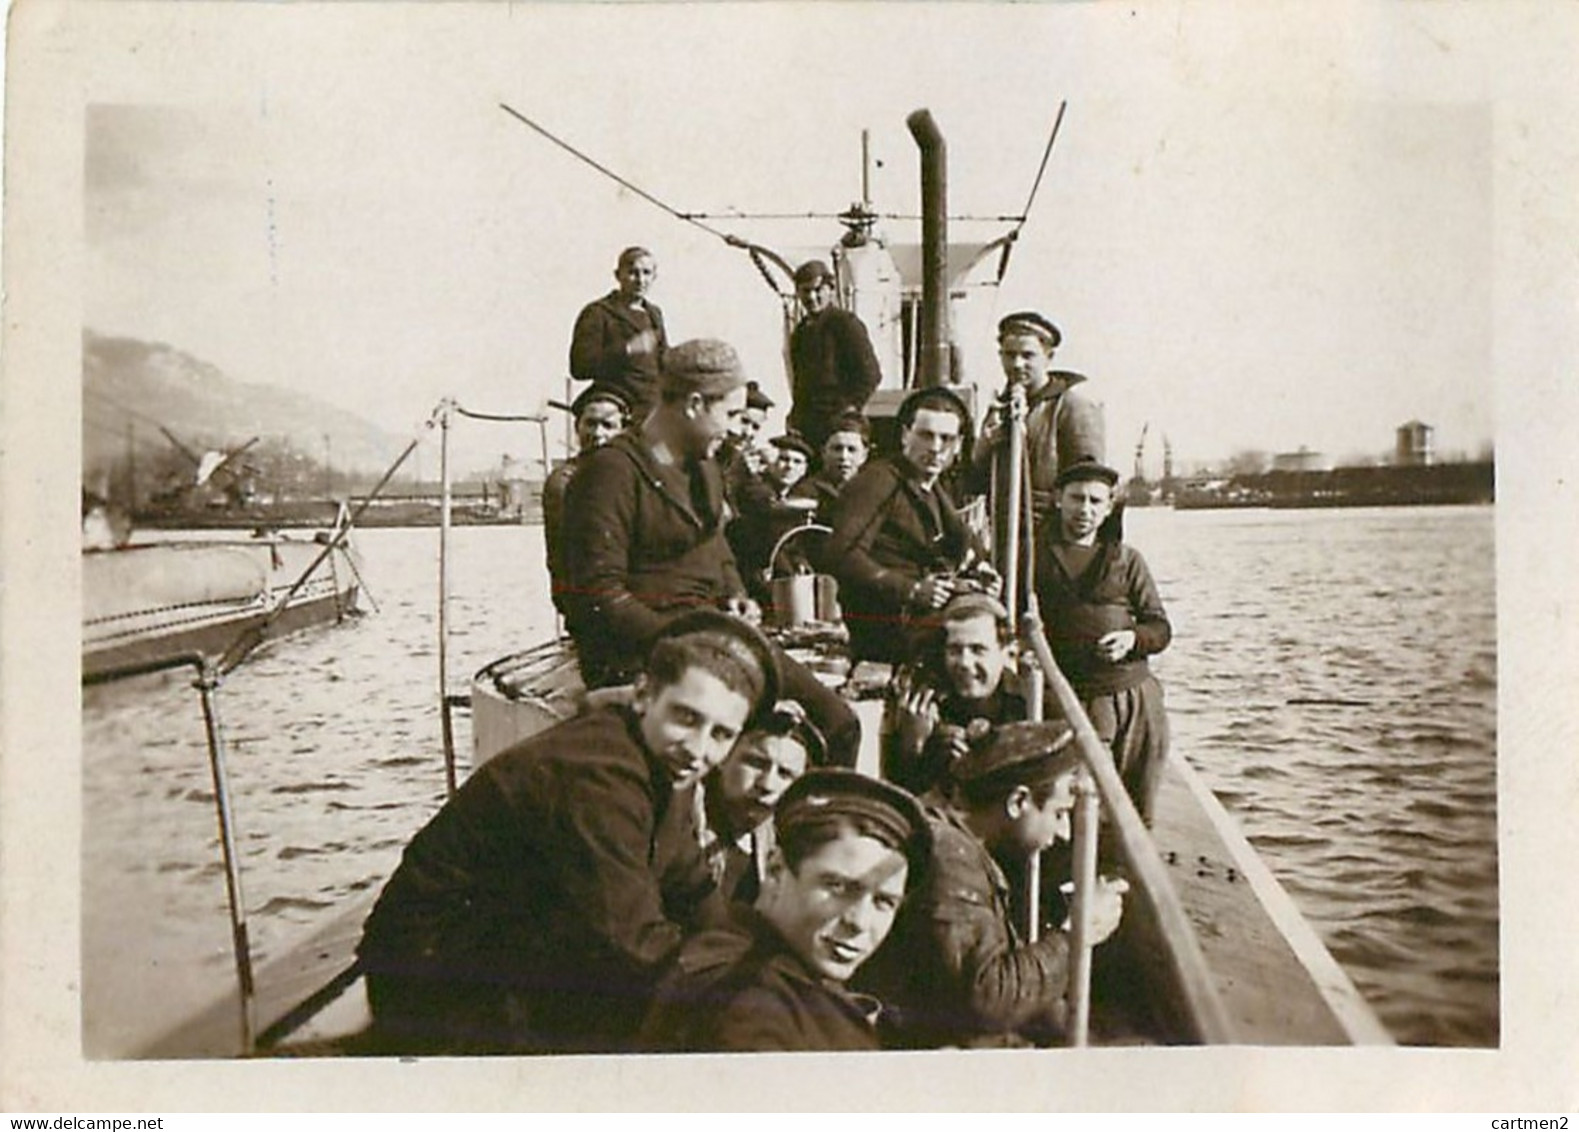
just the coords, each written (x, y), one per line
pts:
(282, 984)
(1263, 975)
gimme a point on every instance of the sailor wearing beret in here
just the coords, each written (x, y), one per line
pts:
(955, 970)
(847, 849)
(646, 541)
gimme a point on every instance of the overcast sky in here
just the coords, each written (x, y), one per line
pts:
(1254, 233)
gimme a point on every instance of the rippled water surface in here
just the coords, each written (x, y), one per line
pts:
(1333, 675)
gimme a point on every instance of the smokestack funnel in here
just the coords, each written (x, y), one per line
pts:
(934, 352)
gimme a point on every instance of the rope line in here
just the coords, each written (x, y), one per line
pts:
(507, 417)
(1052, 138)
(613, 176)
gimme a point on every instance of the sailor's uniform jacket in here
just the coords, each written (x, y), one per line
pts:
(741, 988)
(640, 548)
(954, 970)
(561, 875)
(598, 349)
(888, 534)
(835, 371)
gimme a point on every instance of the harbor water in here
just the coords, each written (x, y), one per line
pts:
(1332, 676)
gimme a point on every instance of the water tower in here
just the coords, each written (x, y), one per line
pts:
(1416, 445)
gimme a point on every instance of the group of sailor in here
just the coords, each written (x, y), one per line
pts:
(693, 863)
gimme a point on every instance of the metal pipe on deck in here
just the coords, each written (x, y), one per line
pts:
(207, 682)
(446, 725)
(934, 351)
(1086, 821)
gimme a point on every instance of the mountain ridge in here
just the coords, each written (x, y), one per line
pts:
(132, 387)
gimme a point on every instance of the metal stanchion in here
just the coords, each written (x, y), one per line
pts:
(207, 683)
(1081, 945)
(446, 724)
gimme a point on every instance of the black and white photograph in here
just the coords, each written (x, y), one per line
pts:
(1019, 549)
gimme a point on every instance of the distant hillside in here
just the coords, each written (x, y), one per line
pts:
(150, 384)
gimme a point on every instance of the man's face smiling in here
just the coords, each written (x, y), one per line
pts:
(973, 658)
(690, 725)
(839, 904)
(713, 420)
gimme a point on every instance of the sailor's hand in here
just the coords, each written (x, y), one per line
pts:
(1106, 907)
(644, 343)
(914, 711)
(755, 459)
(931, 593)
(956, 740)
(1115, 646)
(991, 429)
(744, 608)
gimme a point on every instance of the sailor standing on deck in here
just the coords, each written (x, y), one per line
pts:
(834, 367)
(1062, 424)
(533, 912)
(647, 539)
(1104, 618)
(620, 339)
(899, 548)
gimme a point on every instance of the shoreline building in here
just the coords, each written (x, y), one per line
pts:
(1416, 446)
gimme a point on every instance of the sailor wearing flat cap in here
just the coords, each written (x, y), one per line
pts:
(601, 413)
(648, 539)
(1061, 424)
(833, 366)
(534, 912)
(1104, 617)
(955, 969)
(899, 548)
(620, 340)
(847, 848)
